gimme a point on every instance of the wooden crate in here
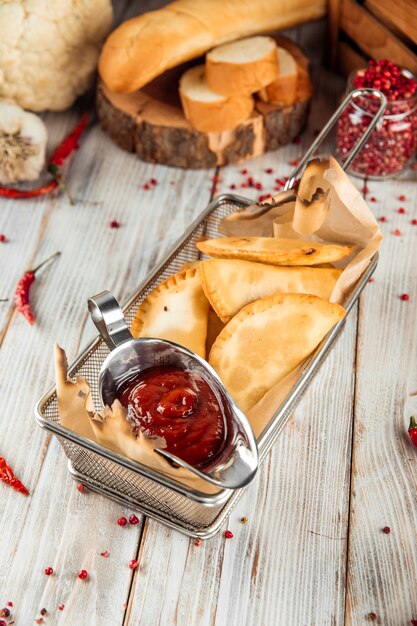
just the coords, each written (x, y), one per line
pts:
(378, 29)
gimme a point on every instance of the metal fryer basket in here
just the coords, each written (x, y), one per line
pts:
(185, 509)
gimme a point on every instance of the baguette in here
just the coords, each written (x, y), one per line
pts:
(243, 66)
(144, 47)
(208, 111)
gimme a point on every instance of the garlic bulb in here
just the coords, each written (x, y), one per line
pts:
(22, 144)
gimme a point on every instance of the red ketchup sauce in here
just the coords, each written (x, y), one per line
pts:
(180, 406)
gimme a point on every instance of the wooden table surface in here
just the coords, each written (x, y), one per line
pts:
(313, 551)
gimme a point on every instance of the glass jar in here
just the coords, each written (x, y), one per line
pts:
(391, 145)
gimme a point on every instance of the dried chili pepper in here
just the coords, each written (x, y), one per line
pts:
(69, 144)
(22, 291)
(7, 476)
(58, 158)
(412, 430)
(21, 194)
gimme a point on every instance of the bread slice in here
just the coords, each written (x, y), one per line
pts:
(242, 67)
(208, 111)
(283, 90)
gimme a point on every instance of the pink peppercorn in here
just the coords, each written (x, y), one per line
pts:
(401, 211)
(154, 181)
(114, 224)
(49, 571)
(2, 622)
(413, 622)
(3, 238)
(404, 298)
(83, 574)
(61, 607)
(197, 543)
(386, 530)
(243, 172)
(81, 488)
(228, 534)
(396, 232)
(5, 612)
(106, 554)
(122, 521)
(133, 520)
(146, 186)
(133, 564)
(372, 199)
(269, 170)
(258, 186)
(233, 186)
(402, 198)
(382, 219)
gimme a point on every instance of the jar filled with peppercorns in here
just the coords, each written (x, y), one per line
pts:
(394, 140)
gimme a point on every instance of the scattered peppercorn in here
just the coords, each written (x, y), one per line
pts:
(365, 190)
(154, 181)
(106, 554)
(414, 222)
(412, 430)
(402, 197)
(133, 564)
(61, 607)
(413, 622)
(5, 612)
(3, 238)
(386, 530)
(43, 611)
(114, 224)
(371, 280)
(244, 172)
(122, 521)
(372, 199)
(396, 232)
(39, 620)
(233, 186)
(83, 574)
(401, 211)
(49, 571)
(371, 617)
(244, 520)
(294, 163)
(133, 520)
(382, 219)
(269, 170)
(405, 297)
(2, 622)
(146, 186)
(10, 604)
(197, 543)
(228, 534)
(81, 488)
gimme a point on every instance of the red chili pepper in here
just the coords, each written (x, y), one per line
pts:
(412, 430)
(11, 192)
(22, 291)
(69, 144)
(7, 476)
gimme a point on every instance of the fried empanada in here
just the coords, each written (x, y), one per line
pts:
(273, 250)
(176, 310)
(231, 284)
(267, 339)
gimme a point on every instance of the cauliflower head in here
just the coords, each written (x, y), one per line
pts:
(49, 50)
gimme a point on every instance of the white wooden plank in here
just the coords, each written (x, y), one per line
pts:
(288, 564)
(383, 567)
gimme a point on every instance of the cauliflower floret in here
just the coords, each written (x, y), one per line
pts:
(49, 50)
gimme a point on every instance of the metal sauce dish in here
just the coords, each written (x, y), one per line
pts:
(237, 462)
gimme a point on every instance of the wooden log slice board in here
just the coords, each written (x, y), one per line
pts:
(151, 122)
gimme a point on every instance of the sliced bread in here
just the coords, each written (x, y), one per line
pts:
(208, 111)
(283, 90)
(242, 67)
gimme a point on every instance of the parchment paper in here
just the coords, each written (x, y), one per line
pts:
(341, 216)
